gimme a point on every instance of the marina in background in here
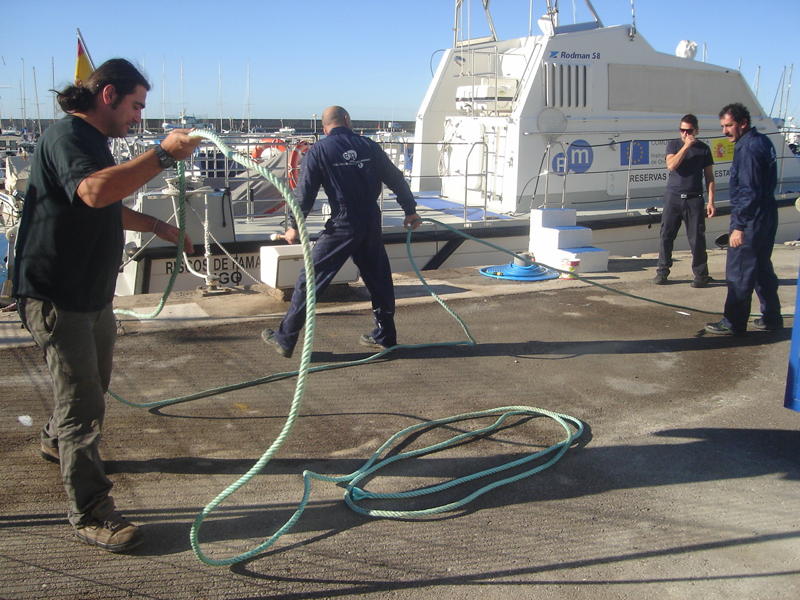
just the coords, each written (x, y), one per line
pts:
(551, 144)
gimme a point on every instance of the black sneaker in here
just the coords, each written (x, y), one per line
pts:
(109, 531)
(269, 338)
(369, 341)
(660, 279)
(701, 282)
(721, 328)
(759, 323)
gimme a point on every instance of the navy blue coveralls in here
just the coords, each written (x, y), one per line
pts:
(754, 211)
(350, 168)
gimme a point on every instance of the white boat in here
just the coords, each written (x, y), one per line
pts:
(552, 143)
(576, 116)
(185, 121)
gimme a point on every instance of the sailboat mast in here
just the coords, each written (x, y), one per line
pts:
(36, 100)
(53, 84)
(219, 94)
(22, 95)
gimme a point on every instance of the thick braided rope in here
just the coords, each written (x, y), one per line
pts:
(302, 373)
(181, 167)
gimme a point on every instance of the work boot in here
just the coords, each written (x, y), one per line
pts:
(660, 279)
(268, 335)
(761, 324)
(109, 530)
(369, 341)
(50, 453)
(701, 282)
(722, 328)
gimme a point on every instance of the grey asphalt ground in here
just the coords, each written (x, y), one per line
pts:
(685, 484)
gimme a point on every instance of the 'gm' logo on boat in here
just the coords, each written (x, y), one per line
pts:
(350, 155)
(578, 158)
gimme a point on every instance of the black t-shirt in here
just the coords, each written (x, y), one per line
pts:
(67, 252)
(688, 177)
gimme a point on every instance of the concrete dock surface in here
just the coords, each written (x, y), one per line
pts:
(684, 484)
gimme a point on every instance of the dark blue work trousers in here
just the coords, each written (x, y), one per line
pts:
(692, 212)
(335, 245)
(748, 268)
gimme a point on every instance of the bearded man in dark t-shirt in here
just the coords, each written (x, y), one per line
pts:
(68, 253)
(688, 161)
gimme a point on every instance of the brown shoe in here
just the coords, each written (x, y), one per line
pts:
(110, 532)
(50, 453)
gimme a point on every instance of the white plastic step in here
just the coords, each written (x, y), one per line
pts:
(571, 236)
(553, 217)
(592, 260)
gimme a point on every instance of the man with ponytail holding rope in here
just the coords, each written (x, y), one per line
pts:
(351, 169)
(68, 254)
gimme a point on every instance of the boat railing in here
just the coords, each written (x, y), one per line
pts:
(484, 174)
(531, 56)
(406, 167)
(782, 157)
(564, 175)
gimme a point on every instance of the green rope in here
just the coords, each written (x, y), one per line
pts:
(354, 493)
(176, 266)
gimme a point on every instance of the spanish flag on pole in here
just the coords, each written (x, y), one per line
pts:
(83, 63)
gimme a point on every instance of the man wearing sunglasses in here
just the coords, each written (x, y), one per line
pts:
(688, 160)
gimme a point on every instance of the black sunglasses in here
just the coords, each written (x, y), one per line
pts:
(686, 130)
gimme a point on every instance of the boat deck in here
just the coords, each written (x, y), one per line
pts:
(684, 485)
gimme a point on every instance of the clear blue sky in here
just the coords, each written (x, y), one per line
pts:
(371, 56)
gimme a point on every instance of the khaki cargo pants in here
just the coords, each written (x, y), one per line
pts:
(78, 348)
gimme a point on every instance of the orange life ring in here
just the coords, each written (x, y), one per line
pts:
(295, 158)
(277, 143)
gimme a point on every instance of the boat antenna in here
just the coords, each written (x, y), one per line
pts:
(781, 83)
(552, 13)
(530, 18)
(758, 78)
(489, 19)
(632, 30)
(594, 12)
(457, 21)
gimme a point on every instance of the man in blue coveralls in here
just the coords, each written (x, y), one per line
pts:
(754, 223)
(351, 170)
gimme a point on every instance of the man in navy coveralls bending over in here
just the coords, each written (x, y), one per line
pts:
(754, 223)
(350, 168)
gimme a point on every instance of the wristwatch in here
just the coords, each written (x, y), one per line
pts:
(165, 159)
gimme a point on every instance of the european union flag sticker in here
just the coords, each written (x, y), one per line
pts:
(639, 154)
